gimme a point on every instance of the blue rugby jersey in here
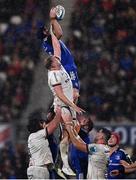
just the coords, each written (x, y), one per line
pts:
(67, 60)
(114, 163)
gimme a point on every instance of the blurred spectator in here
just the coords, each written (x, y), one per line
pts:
(13, 162)
(19, 53)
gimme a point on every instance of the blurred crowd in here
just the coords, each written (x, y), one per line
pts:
(103, 42)
(13, 162)
(19, 53)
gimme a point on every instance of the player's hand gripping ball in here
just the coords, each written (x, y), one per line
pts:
(60, 12)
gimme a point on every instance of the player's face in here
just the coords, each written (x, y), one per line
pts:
(84, 123)
(100, 135)
(55, 63)
(112, 141)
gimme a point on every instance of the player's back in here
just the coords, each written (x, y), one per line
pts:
(97, 162)
(67, 60)
(38, 148)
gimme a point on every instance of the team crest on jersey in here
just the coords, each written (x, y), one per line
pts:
(117, 157)
(72, 75)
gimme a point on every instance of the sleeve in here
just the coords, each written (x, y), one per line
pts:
(91, 148)
(124, 156)
(128, 159)
(55, 78)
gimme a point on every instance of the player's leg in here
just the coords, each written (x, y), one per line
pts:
(76, 86)
(75, 95)
(64, 144)
(35, 172)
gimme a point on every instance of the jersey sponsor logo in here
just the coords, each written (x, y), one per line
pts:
(92, 150)
(67, 80)
(72, 75)
(45, 48)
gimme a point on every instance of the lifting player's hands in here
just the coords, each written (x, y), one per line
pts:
(58, 112)
(53, 13)
(78, 109)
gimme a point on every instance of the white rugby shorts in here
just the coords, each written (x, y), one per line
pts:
(36, 172)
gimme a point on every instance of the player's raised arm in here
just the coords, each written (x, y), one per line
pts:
(61, 96)
(56, 44)
(75, 138)
(56, 26)
(51, 126)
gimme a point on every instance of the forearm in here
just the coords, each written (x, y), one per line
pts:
(53, 124)
(57, 28)
(127, 165)
(130, 170)
(56, 45)
(75, 139)
(64, 99)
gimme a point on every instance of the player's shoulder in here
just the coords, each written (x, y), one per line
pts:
(36, 134)
(122, 151)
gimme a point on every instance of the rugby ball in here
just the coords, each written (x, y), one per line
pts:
(60, 12)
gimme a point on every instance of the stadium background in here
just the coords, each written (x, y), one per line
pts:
(101, 35)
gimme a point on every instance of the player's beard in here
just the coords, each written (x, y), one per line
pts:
(112, 145)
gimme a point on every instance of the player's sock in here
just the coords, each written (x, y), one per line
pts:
(64, 155)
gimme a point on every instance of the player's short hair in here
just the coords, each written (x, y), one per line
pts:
(50, 114)
(90, 122)
(117, 136)
(40, 34)
(48, 62)
(107, 134)
(34, 120)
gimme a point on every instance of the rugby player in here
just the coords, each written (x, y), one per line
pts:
(98, 152)
(61, 86)
(67, 59)
(40, 155)
(115, 169)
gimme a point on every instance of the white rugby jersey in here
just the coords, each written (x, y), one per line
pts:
(39, 150)
(98, 160)
(61, 77)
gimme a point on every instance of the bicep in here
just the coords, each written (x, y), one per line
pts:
(81, 146)
(56, 46)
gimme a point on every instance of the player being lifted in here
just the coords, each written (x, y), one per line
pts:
(60, 84)
(67, 60)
